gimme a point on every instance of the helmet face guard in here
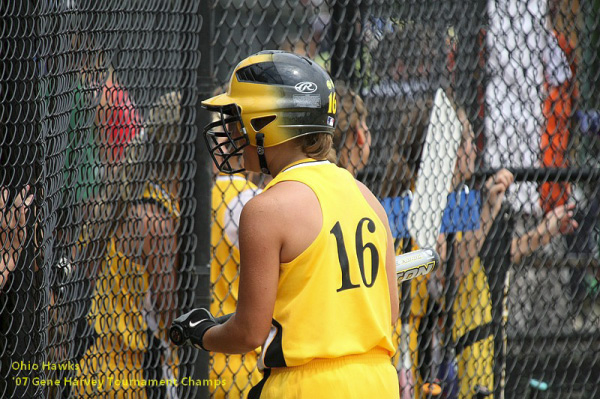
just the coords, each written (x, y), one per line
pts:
(226, 138)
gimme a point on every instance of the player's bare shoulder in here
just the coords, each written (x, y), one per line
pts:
(256, 226)
(261, 208)
(285, 202)
(291, 214)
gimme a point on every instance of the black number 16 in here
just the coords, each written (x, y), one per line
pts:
(360, 253)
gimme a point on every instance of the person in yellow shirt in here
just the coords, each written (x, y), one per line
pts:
(229, 195)
(317, 273)
(472, 307)
(237, 373)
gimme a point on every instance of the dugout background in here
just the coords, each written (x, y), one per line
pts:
(84, 81)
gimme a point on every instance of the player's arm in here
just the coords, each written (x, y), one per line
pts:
(390, 268)
(390, 258)
(260, 245)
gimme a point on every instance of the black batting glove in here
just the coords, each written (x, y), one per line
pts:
(191, 327)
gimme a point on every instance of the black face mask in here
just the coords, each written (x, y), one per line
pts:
(226, 144)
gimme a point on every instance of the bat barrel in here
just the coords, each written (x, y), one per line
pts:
(416, 263)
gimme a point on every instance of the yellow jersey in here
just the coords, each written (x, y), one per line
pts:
(333, 300)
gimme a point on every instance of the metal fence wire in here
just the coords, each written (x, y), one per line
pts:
(97, 250)
(107, 232)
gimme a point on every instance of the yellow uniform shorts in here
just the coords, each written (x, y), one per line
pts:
(370, 375)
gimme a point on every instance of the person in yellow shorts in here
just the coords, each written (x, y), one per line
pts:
(317, 286)
(229, 194)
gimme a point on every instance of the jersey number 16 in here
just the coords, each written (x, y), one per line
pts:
(360, 253)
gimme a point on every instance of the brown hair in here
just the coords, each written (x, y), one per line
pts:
(350, 110)
(317, 146)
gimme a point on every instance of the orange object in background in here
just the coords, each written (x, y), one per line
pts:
(558, 109)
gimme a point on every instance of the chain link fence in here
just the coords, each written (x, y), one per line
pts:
(105, 186)
(98, 113)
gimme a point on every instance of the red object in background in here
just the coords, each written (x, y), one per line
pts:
(119, 120)
(558, 109)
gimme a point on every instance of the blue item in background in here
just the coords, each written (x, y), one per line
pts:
(448, 377)
(589, 121)
(461, 215)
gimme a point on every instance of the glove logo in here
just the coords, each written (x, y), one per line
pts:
(306, 87)
(195, 323)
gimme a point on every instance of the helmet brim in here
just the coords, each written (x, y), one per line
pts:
(217, 102)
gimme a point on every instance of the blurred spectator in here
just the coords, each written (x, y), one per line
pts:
(559, 106)
(417, 67)
(117, 120)
(230, 193)
(351, 150)
(312, 43)
(22, 294)
(135, 292)
(589, 121)
(472, 307)
(102, 122)
(520, 49)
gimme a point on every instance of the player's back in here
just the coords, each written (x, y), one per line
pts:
(333, 296)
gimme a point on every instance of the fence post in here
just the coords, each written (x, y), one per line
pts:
(202, 183)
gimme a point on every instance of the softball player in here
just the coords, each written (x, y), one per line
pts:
(317, 277)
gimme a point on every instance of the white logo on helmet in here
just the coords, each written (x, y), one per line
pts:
(306, 87)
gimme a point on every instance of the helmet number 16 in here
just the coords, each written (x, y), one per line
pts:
(332, 103)
(360, 254)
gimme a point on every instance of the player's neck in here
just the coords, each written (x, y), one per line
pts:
(282, 155)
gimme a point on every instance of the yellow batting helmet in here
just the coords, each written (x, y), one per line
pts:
(272, 97)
